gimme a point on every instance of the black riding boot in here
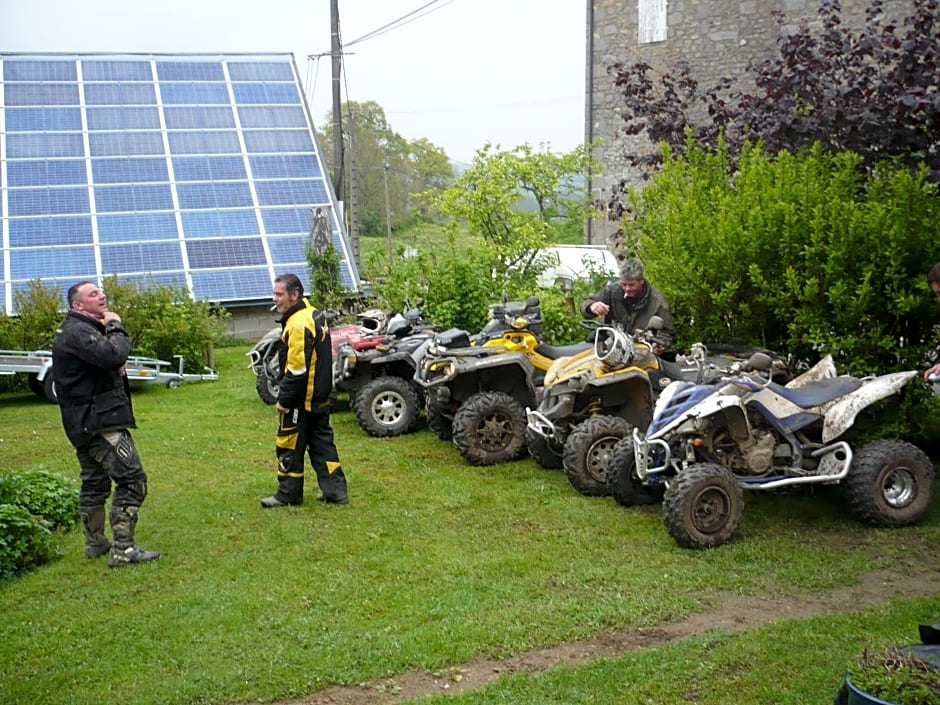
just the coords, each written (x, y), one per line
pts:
(123, 550)
(96, 543)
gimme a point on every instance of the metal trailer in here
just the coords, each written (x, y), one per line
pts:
(37, 365)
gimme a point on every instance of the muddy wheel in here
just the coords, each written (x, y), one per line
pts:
(703, 506)
(891, 483)
(586, 452)
(624, 483)
(386, 406)
(442, 426)
(546, 453)
(267, 389)
(490, 428)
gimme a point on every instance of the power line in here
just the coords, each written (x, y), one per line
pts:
(402, 21)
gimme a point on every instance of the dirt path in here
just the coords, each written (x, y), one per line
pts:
(735, 614)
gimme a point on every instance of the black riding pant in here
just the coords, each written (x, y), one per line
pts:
(299, 432)
(106, 458)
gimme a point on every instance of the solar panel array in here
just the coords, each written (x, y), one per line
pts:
(194, 171)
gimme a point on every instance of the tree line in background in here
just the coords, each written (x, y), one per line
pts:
(377, 158)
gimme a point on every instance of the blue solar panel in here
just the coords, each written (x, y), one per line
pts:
(140, 257)
(284, 166)
(194, 171)
(116, 171)
(195, 93)
(190, 118)
(137, 226)
(209, 168)
(120, 94)
(43, 119)
(49, 232)
(105, 70)
(39, 172)
(216, 223)
(128, 118)
(35, 70)
(77, 262)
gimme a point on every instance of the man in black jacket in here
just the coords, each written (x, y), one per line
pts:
(303, 400)
(88, 357)
(632, 302)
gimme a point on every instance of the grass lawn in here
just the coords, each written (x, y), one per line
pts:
(433, 564)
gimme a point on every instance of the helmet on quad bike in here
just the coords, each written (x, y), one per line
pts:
(613, 348)
(373, 320)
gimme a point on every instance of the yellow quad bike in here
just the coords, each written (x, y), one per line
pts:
(593, 399)
(478, 388)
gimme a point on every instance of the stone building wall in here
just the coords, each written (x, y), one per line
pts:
(718, 38)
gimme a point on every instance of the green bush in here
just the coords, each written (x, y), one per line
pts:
(44, 494)
(25, 541)
(805, 253)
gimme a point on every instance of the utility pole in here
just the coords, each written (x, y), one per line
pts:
(336, 53)
(354, 190)
(388, 215)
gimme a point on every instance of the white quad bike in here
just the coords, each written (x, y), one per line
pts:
(707, 442)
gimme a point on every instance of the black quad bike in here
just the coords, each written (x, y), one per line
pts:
(379, 375)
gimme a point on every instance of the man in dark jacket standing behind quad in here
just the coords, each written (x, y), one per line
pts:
(632, 302)
(88, 357)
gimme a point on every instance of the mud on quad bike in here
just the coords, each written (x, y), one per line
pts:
(379, 374)
(706, 443)
(591, 400)
(263, 356)
(477, 387)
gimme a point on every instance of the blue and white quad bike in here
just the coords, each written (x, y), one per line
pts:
(708, 441)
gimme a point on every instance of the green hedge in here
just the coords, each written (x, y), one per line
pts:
(33, 504)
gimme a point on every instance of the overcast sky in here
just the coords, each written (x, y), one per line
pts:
(460, 73)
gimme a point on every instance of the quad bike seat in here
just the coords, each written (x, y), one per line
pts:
(553, 352)
(816, 393)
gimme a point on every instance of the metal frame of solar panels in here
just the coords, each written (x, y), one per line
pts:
(194, 171)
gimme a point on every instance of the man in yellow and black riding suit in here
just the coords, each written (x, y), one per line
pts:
(303, 401)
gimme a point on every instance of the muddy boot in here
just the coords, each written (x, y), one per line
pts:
(123, 550)
(96, 543)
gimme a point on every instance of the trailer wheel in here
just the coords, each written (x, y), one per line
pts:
(48, 388)
(35, 385)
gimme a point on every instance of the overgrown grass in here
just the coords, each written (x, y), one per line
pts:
(432, 564)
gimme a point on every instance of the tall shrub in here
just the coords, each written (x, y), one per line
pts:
(806, 253)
